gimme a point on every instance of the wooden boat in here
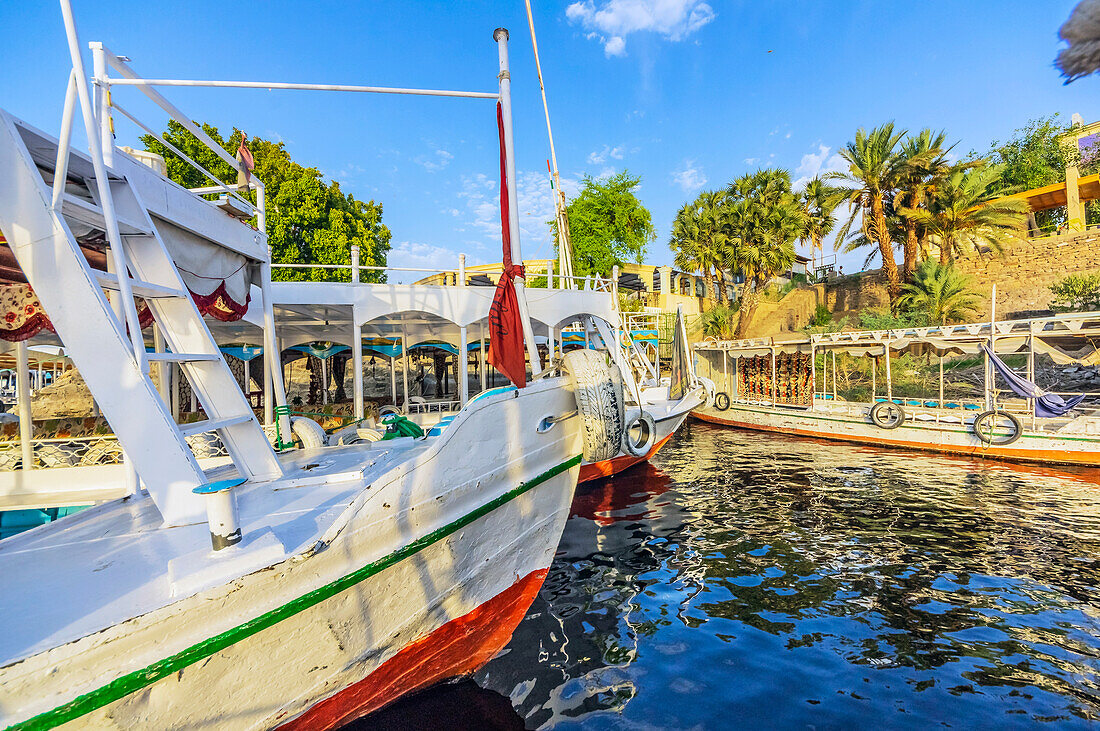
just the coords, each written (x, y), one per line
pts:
(784, 387)
(297, 588)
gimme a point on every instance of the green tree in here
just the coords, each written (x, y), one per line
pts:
(819, 202)
(1077, 293)
(1035, 156)
(309, 221)
(940, 293)
(924, 166)
(874, 168)
(608, 225)
(701, 238)
(964, 215)
(765, 220)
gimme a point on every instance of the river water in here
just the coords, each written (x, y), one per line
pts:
(755, 581)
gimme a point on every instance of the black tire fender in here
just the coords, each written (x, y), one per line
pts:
(990, 438)
(721, 401)
(648, 427)
(887, 415)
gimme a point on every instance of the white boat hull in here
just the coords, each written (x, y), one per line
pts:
(422, 577)
(1076, 443)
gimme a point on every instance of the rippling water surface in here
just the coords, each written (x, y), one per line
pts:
(751, 580)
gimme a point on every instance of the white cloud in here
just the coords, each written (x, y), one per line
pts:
(601, 156)
(613, 20)
(434, 163)
(615, 46)
(817, 164)
(690, 178)
(751, 160)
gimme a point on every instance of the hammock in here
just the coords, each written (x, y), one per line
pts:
(1047, 405)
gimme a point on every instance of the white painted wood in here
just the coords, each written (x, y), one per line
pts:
(409, 488)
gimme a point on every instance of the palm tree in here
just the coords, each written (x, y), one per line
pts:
(700, 238)
(819, 201)
(940, 292)
(874, 167)
(963, 216)
(924, 166)
(765, 220)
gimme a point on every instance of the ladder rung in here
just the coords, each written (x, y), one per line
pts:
(182, 357)
(138, 287)
(89, 213)
(201, 427)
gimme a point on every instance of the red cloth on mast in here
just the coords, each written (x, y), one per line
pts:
(506, 349)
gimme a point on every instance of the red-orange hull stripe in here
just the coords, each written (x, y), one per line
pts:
(615, 465)
(457, 648)
(1048, 456)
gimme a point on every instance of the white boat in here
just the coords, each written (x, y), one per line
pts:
(780, 387)
(293, 589)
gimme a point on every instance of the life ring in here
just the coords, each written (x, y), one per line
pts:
(308, 431)
(986, 423)
(646, 427)
(721, 401)
(887, 415)
(598, 388)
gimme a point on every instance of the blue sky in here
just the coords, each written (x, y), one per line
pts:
(687, 94)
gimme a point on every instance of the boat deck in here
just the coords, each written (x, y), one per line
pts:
(119, 562)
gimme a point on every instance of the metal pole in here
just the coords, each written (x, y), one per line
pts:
(23, 404)
(61, 167)
(941, 382)
(874, 378)
(103, 102)
(393, 378)
(355, 264)
(834, 376)
(481, 354)
(725, 372)
(813, 373)
(405, 366)
(889, 380)
(463, 369)
(357, 359)
(147, 84)
(461, 270)
(774, 379)
(324, 381)
(162, 367)
(271, 345)
(989, 380)
(500, 35)
(103, 187)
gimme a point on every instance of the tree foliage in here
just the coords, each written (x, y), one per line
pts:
(701, 238)
(940, 293)
(309, 221)
(608, 225)
(1077, 293)
(765, 220)
(963, 216)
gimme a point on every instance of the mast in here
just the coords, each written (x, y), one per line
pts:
(565, 254)
(501, 37)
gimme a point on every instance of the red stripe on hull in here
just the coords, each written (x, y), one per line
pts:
(1042, 456)
(459, 647)
(615, 465)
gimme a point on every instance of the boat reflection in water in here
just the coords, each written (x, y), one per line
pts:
(748, 579)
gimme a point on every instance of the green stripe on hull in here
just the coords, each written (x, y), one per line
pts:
(123, 686)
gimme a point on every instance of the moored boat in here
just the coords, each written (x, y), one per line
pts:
(784, 387)
(285, 587)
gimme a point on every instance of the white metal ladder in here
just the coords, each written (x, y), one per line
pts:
(98, 340)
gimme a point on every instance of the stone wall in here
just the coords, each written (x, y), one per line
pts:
(1024, 273)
